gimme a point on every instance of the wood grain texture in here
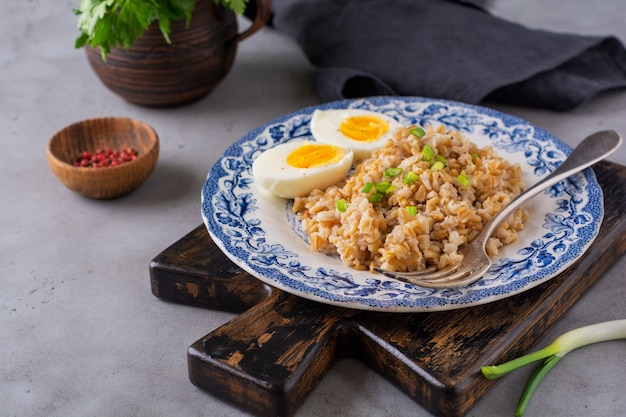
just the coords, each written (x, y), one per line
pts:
(103, 133)
(270, 357)
(155, 73)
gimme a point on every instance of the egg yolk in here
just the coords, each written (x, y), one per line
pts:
(314, 155)
(364, 128)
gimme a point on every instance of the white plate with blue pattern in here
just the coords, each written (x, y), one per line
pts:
(259, 232)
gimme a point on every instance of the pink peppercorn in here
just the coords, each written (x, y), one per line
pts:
(105, 158)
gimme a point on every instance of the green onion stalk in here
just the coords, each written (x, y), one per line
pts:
(553, 353)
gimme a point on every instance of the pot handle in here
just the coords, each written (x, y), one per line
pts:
(263, 13)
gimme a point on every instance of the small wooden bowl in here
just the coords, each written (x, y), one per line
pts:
(117, 133)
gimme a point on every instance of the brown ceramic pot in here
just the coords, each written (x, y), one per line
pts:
(154, 73)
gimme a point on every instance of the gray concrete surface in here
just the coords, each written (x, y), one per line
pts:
(80, 332)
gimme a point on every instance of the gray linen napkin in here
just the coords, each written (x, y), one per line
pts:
(450, 49)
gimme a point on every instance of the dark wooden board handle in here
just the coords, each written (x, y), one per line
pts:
(283, 346)
(270, 357)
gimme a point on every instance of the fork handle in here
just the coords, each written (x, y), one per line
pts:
(592, 149)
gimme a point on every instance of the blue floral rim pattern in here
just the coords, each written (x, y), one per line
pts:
(260, 233)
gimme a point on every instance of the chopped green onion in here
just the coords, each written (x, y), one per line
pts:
(412, 210)
(418, 131)
(376, 198)
(392, 172)
(410, 177)
(463, 178)
(427, 153)
(441, 159)
(342, 205)
(551, 354)
(437, 166)
(367, 187)
(382, 186)
(474, 156)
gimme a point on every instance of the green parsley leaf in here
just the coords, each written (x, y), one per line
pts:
(108, 24)
(238, 6)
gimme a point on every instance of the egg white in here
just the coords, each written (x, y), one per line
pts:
(325, 128)
(272, 172)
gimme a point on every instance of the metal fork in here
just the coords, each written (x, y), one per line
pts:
(475, 261)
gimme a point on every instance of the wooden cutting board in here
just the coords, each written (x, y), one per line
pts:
(272, 355)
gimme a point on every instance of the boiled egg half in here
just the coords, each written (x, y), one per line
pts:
(359, 130)
(296, 168)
